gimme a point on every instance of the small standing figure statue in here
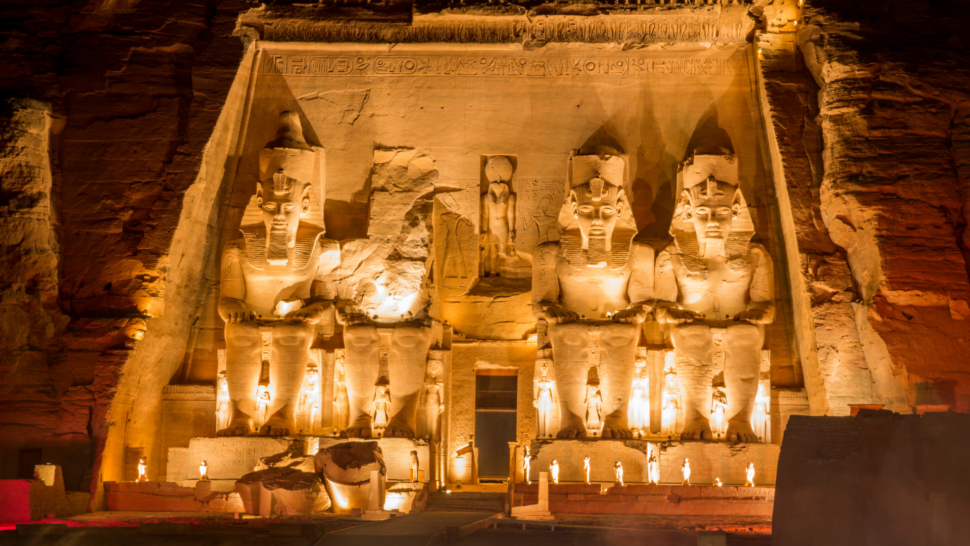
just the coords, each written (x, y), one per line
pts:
(618, 468)
(718, 408)
(382, 407)
(223, 408)
(526, 463)
(554, 468)
(639, 407)
(543, 403)
(203, 472)
(653, 468)
(760, 417)
(594, 408)
(586, 468)
(414, 467)
(262, 403)
(143, 470)
(670, 412)
(717, 482)
(749, 474)
(686, 470)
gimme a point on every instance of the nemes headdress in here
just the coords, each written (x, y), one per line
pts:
(710, 173)
(288, 152)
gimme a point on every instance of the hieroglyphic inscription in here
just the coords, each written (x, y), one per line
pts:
(612, 29)
(538, 206)
(516, 66)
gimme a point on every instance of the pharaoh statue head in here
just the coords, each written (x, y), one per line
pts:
(711, 216)
(601, 223)
(285, 195)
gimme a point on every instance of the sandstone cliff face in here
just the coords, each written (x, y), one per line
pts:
(875, 166)
(94, 185)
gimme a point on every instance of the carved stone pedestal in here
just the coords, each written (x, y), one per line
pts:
(708, 460)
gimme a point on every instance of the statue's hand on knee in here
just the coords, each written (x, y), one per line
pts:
(756, 315)
(672, 315)
(312, 313)
(233, 311)
(350, 315)
(635, 314)
(554, 314)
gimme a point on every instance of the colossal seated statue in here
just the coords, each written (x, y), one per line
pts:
(714, 290)
(273, 289)
(593, 290)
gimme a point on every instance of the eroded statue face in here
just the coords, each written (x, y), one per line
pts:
(283, 201)
(596, 206)
(712, 208)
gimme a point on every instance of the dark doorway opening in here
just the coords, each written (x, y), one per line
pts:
(496, 392)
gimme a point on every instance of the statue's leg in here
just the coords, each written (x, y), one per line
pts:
(242, 375)
(287, 370)
(742, 367)
(570, 346)
(695, 371)
(406, 367)
(618, 343)
(362, 347)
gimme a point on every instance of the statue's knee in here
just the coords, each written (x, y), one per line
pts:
(360, 335)
(620, 334)
(411, 337)
(570, 334)
(745, 336)
(291, 333)
(242, 334)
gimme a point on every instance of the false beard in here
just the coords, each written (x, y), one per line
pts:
(715, 247)
(277, 252)
(598, 252)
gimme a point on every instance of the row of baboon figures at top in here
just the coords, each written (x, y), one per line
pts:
(591, 290)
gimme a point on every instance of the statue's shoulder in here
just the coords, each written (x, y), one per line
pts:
(757, 253)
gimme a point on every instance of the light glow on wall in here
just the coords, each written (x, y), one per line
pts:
(394, 501)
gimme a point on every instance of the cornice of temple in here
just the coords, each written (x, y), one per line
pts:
(533, 24)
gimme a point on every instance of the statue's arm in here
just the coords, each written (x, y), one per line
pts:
(511, 214)
(545, 285)
(232, 287)
(761, 305)
(667, 293)
(640, 286)
(318, 308)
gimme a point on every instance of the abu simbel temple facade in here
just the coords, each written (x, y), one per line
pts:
(337, 257)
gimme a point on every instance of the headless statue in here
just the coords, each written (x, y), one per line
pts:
(273, 289)
(712, 278)
(593, 290)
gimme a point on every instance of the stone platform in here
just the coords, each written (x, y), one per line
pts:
(28, 500)
(703, 500)
(169, 497)
(708, 460)
(231, 458)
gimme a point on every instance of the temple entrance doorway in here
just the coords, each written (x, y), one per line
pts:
(495, 402)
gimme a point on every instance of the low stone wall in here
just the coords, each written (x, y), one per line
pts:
(708, 460)
(695, 500)
(29, 500)
(169, 497)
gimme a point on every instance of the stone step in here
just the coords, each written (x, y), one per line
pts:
(466, 502)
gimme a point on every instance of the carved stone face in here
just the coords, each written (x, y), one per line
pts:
(712, 208)
(596, 206)
(283, 201)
